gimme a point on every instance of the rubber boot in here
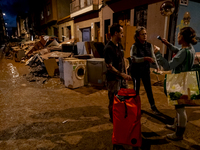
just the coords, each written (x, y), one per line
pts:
(173, 126)
(178, 135)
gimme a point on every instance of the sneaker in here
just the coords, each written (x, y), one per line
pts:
(155, 110)
(174, 137)
(171, 127)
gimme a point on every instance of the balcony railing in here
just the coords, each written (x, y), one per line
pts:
(77, 5)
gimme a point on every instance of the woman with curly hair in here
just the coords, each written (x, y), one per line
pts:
(186, 38)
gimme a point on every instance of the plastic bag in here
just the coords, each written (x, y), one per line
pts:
(183, 88)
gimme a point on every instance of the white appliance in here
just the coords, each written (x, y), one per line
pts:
(96, 70)
(74, 71)
(61, 69)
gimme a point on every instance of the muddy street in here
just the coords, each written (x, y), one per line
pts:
(41, 114)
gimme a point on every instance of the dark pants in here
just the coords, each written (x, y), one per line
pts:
(113, 88)
(146, 80)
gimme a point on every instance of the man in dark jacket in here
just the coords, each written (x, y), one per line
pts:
(114, 59)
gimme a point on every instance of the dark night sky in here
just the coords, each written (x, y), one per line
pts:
(11, 8)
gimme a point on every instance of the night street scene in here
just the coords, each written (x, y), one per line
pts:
(99, 75)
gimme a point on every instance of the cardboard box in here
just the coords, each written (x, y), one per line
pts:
(18, 54)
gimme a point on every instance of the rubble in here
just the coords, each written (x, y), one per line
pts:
(42, 55)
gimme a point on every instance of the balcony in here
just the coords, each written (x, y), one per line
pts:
(79, 7)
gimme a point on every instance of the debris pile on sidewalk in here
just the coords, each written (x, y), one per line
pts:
(42, 56)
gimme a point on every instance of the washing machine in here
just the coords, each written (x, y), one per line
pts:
(74, 71)
(96, 69)
(61, 69)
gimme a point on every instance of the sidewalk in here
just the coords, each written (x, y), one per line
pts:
(153, 126)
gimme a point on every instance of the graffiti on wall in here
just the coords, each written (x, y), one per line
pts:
(182, 25)
(185, 22)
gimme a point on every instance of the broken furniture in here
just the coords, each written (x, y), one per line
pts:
(56, 55)
(69, 48)
(18, 53)
(38, 45)
(50, 64)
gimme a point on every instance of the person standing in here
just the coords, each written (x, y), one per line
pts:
(114, 59)
(141, 55)
(186, 38)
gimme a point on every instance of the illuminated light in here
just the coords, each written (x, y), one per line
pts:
(4, 14)
(5, 23)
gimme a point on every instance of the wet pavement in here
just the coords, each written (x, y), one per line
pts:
(39, 113)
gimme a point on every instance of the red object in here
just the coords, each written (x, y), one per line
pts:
(126, 118)
(174, 54)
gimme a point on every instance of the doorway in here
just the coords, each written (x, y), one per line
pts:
(86, 34)
(97, 32)
(69, 32)
(56, 32)
(106, 30)
(63, 38)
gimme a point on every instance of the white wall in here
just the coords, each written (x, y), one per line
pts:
(106, 14)
(64, 26)
(156, 24)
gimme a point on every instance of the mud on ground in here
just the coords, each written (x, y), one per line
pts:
(44, 115)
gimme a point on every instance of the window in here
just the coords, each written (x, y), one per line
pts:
(68, 32)
(48, 9)
(62, 31)
(140, 18)
(48, 13)
(42, 15)
(184, 2)
(122, 17)
(24, 22)
(82, 3)
(63, 37)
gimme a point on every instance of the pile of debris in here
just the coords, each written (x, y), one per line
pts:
(43, 54)
(35, 53)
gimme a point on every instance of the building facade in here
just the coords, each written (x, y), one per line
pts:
(2, 28)
(87, 17)
(90, 20)
(135, 13)
(23, 28)
(65, 22)
(48, 18)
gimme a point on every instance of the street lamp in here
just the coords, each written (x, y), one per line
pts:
(166, 9)
(4, 14)
(5, 23)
